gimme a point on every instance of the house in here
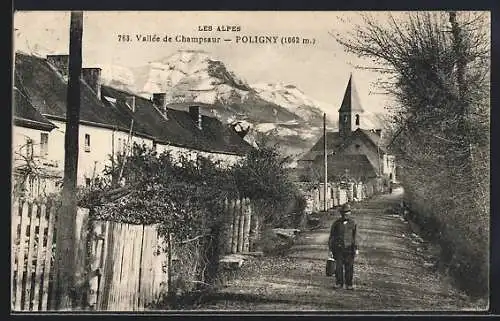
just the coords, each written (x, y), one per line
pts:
(111, 120)
(184, 130)
(354, 150)
(30, 138)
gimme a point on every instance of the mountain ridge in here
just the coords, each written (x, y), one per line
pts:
(280, 112)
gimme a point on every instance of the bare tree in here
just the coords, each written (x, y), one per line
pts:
(436, 66)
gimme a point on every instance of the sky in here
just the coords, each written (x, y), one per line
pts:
(321, 70)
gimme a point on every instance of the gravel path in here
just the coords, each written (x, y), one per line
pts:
(391, 273)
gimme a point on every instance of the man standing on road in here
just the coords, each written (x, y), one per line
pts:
(342, 244)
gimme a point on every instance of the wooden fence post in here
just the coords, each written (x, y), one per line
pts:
(241, 226)
(40, 257)
(29, 262)
(81, 238)
(248, 216)
(20, 255)
(14, 237)
(234, 238)
(228, 230)
(48, 271)
(252, 228)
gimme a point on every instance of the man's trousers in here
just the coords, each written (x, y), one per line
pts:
(344, 272)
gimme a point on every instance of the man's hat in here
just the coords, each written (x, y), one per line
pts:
(345, 208)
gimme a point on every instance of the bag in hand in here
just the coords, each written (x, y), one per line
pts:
(330, 266)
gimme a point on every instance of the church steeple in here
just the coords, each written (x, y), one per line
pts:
(350, 111)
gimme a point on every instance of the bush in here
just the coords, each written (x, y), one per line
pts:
(264, 178)
(187, 197)
(464, 246)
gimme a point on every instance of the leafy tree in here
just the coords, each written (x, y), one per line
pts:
(263, 176)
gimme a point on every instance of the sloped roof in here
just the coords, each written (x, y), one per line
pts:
(178, 128)
(351, 101)
(358, 166)
(214, 135)
(47, 90)
(373, 137)
(336, 143)
(26, 115)
(165, 131)
(333, 141)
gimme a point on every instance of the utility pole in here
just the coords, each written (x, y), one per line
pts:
(66, 294)
(326, 164)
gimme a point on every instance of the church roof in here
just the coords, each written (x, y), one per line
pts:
(336, 143)
(351, 102)
(374, 138)
(333, 142)
(357, 166)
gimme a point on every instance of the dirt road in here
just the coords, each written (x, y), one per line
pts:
(391, 272)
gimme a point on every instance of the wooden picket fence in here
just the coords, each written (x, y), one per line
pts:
(127, 268)
(33, 241)
(243, 226)
(129, 265)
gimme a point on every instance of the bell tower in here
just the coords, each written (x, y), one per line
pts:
(350, 112)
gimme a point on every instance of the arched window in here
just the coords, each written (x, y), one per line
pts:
(357, 120)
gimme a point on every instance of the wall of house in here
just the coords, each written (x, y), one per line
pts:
(47, 181)
(92, 159)
(225, 159)
(20, 136)
(365, 149)
(176, 152)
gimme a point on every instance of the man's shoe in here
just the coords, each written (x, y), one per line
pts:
(349, 287)
(338, 286)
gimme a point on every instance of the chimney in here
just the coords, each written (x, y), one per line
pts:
(92, 76)
(60, 62)
(160, 101)
(194, 111)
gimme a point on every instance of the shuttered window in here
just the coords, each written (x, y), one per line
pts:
(87, 142)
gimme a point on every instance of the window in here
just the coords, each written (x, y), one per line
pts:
(345, 118)
(87, 182)
(154, 146)
(87, 143)
(44, 144)
(358, 146)
(357, 120)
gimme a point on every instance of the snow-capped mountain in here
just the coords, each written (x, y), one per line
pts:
(280, 112)
(292, 98)
(118, 76)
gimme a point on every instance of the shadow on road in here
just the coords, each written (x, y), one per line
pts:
(389, 272)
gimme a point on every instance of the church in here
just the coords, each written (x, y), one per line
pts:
(354, 151)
